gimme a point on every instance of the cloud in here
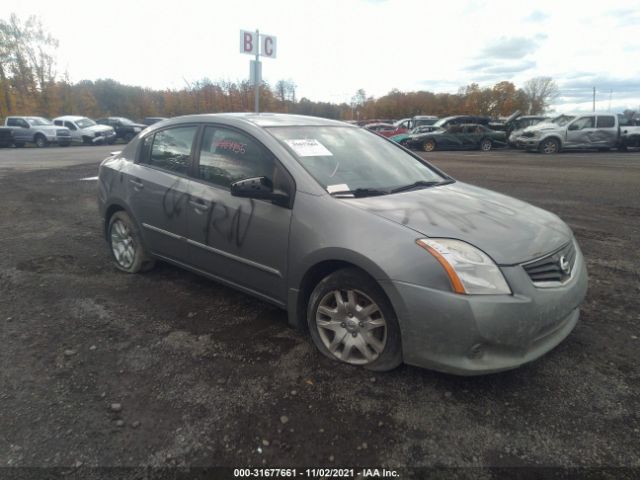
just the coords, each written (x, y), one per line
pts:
(501, 67)
(511, 48)
(580, 89)
(536, 16)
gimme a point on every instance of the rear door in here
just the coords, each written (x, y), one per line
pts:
(240, 240)
(158, 188)
(606, 134)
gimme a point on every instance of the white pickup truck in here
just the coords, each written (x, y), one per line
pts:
(37, 130)
(601, 131)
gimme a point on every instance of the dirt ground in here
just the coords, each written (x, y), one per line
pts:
(100, 368)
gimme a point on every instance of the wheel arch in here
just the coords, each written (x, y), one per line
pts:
(300, 291)
(553, 137)
(112, 208)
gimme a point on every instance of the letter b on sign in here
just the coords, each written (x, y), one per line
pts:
(248, 42)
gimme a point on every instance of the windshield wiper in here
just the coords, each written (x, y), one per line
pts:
(361, 192)
(420, 184)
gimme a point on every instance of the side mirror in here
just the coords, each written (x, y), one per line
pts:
(259, 187)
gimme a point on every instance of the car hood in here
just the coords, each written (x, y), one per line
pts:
(99, 128)
(508, 230)
(542, 126)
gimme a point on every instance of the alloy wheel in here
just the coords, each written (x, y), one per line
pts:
(122, 244)
(351, 326)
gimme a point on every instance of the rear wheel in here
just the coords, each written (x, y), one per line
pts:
(40, 141)
(429, 146)
(126, 245)
(549, 145)
(351, 320)
(486, 145)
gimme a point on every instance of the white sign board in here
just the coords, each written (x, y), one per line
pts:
(255, 72)
(268, 46)
(248, 42)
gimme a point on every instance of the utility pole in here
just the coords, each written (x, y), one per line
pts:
(594, 100)
(257, 77)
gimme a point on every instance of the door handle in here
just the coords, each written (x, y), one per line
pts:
(198, 205)
(136, 183)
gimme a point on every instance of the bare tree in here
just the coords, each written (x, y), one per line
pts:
(540, 92)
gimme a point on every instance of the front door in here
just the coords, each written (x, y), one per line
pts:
(241, 240)
(580, 132)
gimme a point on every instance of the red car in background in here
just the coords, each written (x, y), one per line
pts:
(384, 129)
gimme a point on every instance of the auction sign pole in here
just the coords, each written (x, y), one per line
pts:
(252, 43)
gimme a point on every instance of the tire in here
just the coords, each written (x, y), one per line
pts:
(363, 330)
(549, 146)
(486, 145)
(40, 141)
(86, 141)
(429, 145)
(126, 245)
(128, 137)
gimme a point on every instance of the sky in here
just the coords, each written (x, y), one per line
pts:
(332, 48)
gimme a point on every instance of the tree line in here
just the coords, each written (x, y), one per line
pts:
(31, 85)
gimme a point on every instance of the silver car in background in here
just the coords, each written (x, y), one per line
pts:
(382, 257)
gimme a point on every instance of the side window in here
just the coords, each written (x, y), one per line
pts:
(227, 156)
(606, 121)
(70, 126)
(582, 123)
(58, 122)
(12, 122)
(171, 149)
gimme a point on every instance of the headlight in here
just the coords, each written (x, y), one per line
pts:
(136, 129)
(470, 270)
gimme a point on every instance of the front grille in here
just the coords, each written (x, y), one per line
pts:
(549, 268)
(527, 134)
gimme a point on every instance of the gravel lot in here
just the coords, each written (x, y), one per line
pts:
(100, 368)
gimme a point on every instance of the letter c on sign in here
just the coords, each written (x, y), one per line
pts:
(248, 42)
(268, 46)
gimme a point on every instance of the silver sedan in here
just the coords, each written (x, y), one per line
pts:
(380, 256)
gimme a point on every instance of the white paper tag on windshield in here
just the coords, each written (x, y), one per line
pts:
(308, 147)
(338, 187)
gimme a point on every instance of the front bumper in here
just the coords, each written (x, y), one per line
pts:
(478, 334)
(528, 143)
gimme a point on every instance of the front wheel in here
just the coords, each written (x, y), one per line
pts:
(351, 320)
(41, 141)
(126, 245)
(548, 146)
(486, 145)
(429, 146)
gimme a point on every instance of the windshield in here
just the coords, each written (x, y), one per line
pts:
(441, 122)
(124, 121)
(37, 121)
(85, 122)
(347, 158)
(562, 120)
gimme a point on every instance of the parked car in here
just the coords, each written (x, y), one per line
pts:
(599, 131)
(6, 137)
(86, 131)
(470, 136)
(517, 126)
(384, 129)
(460, 119)
(381, 256)
(403, 138)
(38, 130)
(407, 124)
(125, 128)
(151, 120)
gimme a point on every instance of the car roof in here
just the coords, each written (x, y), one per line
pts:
(262, 119)
(70, 117)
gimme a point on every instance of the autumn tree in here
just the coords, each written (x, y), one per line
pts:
(540, 92)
